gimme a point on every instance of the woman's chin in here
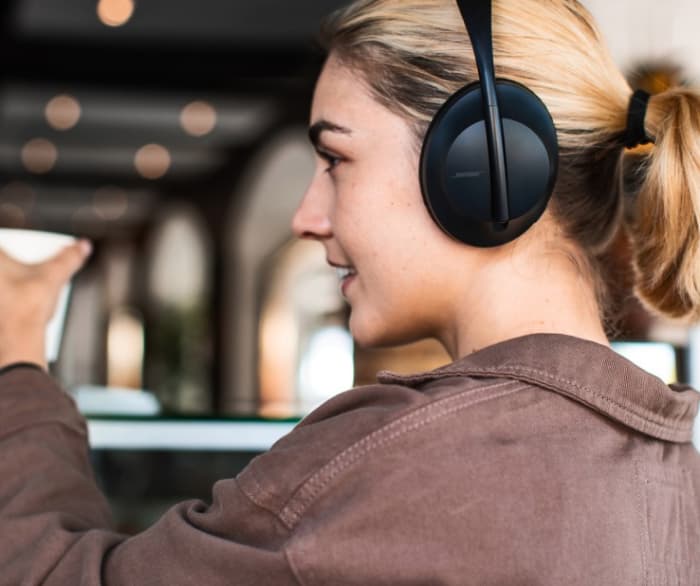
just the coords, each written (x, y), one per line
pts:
(366, 333)
(375, 333)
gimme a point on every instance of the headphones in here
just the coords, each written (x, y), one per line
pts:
(489, 159)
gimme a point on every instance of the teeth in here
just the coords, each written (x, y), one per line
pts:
(344, 272)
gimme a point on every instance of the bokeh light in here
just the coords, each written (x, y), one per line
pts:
(115, 12)
(110, 203)
(39, 156)
(62, 112)
(198, 118)
(152, 161)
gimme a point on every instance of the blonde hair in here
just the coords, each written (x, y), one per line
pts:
(415, 53)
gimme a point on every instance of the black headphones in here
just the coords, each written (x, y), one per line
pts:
(489, 159)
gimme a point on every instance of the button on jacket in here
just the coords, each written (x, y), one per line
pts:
(540, 460)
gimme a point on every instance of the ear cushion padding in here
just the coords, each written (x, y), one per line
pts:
(455, 170)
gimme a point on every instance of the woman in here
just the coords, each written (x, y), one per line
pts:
(538, 456)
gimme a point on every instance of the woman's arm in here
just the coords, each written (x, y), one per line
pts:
(56, 528)
(55, 525)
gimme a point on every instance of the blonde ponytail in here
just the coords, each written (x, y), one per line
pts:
(665, 226)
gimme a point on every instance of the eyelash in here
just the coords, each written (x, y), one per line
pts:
(332, 160)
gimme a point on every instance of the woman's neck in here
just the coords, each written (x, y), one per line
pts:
(518, 296)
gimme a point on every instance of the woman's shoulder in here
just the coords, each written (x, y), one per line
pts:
(389, 425)
(554, 401)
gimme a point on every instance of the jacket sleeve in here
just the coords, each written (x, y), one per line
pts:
(55, 525)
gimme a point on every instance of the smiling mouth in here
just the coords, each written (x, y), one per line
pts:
(346, 276)
(344, 272)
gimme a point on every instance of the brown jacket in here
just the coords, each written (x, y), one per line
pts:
(541, 460)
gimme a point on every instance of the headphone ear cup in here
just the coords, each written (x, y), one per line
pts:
(455, 169)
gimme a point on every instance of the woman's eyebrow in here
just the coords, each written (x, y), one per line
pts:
(324, 125)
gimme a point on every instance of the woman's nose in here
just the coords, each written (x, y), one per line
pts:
(311, 219)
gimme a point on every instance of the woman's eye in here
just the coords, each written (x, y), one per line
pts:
(331, 159)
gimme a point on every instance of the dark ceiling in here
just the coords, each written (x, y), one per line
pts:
(254, 63)
(204, 43)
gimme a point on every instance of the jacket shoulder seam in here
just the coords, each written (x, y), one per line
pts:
(313, 486)
(257, 493)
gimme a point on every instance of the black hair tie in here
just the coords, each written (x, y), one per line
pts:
(636, 134)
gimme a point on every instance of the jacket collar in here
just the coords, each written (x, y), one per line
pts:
(582, 370)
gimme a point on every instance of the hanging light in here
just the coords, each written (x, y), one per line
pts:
(115, 12)
(110, 203)
(62, 112)
(198, 118)
(39, 156)
(152, 161)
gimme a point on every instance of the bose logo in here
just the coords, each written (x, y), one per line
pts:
(467, 175)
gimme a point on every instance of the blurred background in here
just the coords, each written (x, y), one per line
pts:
(173, 134)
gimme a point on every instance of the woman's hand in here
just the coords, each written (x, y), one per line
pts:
(28, 298)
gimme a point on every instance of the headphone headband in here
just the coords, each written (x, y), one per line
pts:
(477, 20)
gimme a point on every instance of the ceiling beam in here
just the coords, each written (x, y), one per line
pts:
(166, 67)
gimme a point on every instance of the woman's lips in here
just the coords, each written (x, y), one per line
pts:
(345, 283)
(346, 275)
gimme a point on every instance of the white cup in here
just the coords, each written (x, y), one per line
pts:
(31, 247)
